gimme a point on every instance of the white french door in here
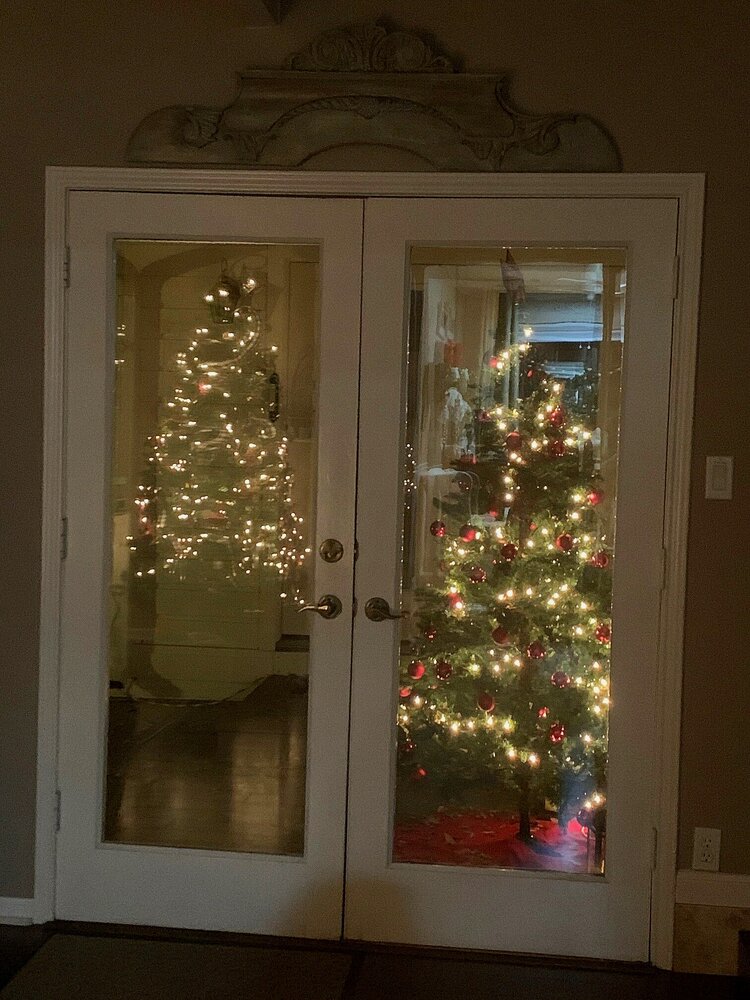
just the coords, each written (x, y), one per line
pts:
(502, 696)
(180, 511)
(508, 410)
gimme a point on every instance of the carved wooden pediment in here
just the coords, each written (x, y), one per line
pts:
(371, 86)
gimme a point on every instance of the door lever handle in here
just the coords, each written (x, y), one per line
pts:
(377, 609)
(329, 606)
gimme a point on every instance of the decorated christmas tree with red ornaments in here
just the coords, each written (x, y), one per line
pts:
(506, 686)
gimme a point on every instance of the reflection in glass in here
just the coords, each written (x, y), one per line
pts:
(212, 494)
(512, 422)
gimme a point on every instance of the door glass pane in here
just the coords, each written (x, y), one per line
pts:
(514, 366)
(212, 496)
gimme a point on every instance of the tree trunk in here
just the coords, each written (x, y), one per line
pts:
(524, 818)
(598, 847)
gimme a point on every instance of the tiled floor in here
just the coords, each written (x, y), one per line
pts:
(254, 969)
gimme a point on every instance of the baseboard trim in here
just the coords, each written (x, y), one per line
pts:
(16, 911)
(713, 889)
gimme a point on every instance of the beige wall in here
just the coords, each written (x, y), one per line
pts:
(671, 83)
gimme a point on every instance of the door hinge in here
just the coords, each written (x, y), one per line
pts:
(64, 538)
(654, 847)
(58, 810)
(66, 267)
(675, 277)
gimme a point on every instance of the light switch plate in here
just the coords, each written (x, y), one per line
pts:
(719, 470)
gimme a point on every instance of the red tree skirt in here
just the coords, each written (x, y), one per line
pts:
(489, 839)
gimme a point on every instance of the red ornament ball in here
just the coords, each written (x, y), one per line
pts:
(509, 551)
(513, 441)
(437, 528)
(404, 692)
(600, 559)
(418, 773)
(430, 633)
(543, 712)
(408, 746)
(535, 650)
(557, 417)
(501, 636)
(443, 670)
(560, 679)
(416, 669)
(204, 387)
(468, 533)
(557, 732)
(595, 496)
(493, 362)
(564, 542)
(486, 702)
(603, 632)
(484, 417)
(556, 448)
(456, 601)
(477, 574)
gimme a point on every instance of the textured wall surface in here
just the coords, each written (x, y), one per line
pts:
(707, 938)
(671, 84)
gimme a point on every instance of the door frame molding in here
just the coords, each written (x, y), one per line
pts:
(687, 189)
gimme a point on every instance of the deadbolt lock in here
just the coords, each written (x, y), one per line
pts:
(331, 550)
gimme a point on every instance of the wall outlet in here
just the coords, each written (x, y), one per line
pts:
(706, 847)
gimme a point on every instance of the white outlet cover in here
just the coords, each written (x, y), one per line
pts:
(719, 472)
(706, 849)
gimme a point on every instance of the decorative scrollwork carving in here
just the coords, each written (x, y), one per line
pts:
(537, 133)
(374, 86)
(370, 48)
(200, 126)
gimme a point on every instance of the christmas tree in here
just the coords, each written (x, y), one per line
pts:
(506, 683)
(214, 508)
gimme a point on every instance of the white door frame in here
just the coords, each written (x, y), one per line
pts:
(500, 907)
(688, 189)
(265, 892)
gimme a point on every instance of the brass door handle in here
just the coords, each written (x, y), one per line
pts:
(329, 606)
(377, 609)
